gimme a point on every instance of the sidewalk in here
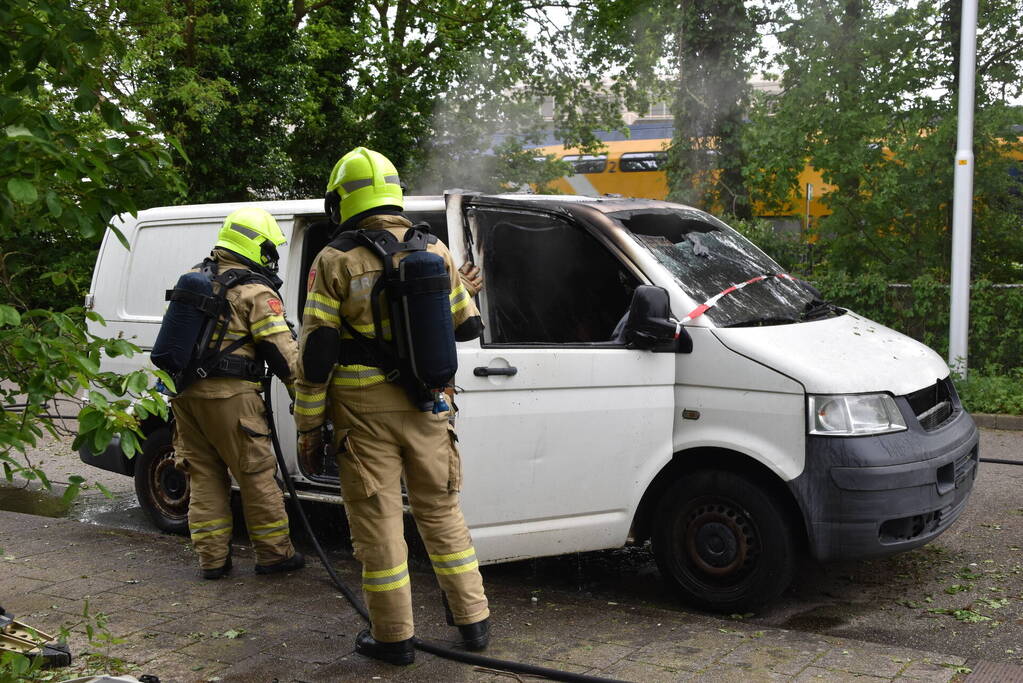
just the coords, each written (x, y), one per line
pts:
(299, 628)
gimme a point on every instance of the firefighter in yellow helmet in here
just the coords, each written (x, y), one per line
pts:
(222, 429)
(382, 433)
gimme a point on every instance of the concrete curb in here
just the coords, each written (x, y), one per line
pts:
(988, 421)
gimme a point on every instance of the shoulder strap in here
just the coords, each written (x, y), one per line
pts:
(227, 280)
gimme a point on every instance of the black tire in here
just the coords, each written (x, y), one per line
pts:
(723, 542)
(161, 488)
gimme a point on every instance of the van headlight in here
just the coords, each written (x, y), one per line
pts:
(854, 414)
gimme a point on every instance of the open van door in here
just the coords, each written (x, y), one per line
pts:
(561, 425)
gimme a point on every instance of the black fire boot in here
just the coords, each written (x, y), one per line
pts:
(476, 636)
(218, 572)
(296, 561)
(400, 653)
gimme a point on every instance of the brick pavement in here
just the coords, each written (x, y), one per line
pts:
(298, 628)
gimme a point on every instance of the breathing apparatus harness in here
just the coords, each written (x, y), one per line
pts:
(197, 319)
(420, 354)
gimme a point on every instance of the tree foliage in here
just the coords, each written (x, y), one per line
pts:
(72, 159)
(266, 95)
(868, 99)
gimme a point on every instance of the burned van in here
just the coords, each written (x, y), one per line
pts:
(645, 373)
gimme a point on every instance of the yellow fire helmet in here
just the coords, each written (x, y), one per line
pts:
(254, 234)
(362, 180)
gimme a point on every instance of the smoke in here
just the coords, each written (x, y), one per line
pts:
(481, 127)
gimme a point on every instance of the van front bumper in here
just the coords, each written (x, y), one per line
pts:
(878, 495)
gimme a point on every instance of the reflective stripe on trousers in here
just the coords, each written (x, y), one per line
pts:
(385, 579)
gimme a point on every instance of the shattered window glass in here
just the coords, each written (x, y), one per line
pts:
(548, 281)
(706, 257)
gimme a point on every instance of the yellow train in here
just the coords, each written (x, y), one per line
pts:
(635, 168)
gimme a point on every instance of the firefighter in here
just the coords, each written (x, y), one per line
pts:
(380, 433)
(221, 422)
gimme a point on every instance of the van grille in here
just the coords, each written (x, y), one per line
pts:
(934, 405)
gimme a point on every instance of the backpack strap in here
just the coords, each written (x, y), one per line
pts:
(227, 280)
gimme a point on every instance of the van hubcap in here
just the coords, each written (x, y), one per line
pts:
(169, 485)
(720, 539)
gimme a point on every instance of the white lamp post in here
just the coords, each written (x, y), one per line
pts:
(962, 202)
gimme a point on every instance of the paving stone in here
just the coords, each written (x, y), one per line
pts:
(143, 646)
(723, 673)
(81, 587)
(636, 631)
(926, 671)
(298, 629)
(173, 667)
(129, 621)
(311, 645)
(269, 668)
(19, 585)
(228, 651)
(879, 660)
(816, 674)
(209, 623)
(588, 653)
(353, 667)
(627, 670)
(694, 652)
(782, 659)
(105, 603)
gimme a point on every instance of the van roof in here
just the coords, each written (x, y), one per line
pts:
(412, 203)
(607, 204)
(280, 207)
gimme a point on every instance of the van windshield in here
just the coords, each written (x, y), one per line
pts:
(707, 257)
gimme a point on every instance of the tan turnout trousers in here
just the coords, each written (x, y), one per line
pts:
(218, 437)
(374, 451)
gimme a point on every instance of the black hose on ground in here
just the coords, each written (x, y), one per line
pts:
(1001, 461)
(424, 645)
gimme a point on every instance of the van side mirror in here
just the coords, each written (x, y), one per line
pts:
(650, 324)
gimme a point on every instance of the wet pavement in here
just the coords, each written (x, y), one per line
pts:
(296, 627)
(961, 595)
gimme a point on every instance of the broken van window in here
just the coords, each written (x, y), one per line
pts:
(548, 280)
(707, 257)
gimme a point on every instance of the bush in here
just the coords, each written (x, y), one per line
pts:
(986, 394)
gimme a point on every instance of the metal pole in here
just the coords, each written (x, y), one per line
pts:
(962, 202)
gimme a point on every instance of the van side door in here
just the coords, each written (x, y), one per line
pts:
(559, 421)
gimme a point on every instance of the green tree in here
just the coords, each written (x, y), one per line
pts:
(867, 101)
(224, 77)
(72, 160)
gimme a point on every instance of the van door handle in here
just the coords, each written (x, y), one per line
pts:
(487, 372)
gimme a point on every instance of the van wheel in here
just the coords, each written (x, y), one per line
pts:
(723, 542)
(161, 488)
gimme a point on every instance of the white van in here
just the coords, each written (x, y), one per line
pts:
(790, 424)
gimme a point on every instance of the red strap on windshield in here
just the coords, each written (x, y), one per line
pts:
(711, 302)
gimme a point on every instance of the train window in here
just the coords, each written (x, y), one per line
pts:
(643, 161)
(587, 163)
